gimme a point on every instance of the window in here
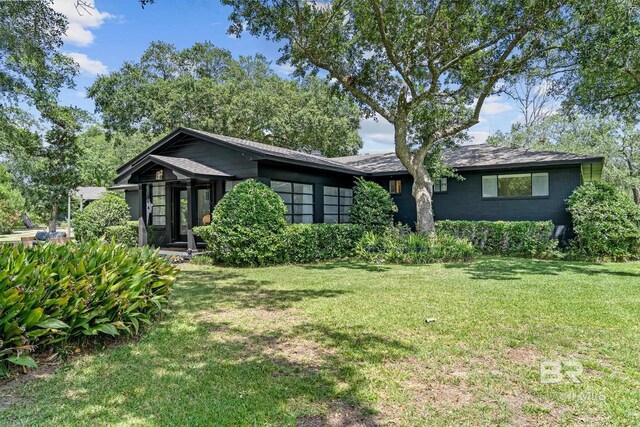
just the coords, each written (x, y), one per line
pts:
(395, 186)
(516, 185)
(440, 186)
(298, 198)
(159, 202)
(337, 202)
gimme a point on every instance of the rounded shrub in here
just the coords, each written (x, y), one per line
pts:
(606, 222)
(92, 223)
(372, 206)
(246, 227)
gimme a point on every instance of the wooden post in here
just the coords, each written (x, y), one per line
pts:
(142, 233)
(192, 198)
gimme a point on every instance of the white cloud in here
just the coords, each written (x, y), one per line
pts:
(479, 136)
(87, 65)
(285, 69)
(80, 19)
(376, 135)
(493, 106)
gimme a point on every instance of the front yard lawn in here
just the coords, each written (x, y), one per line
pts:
(349, 344)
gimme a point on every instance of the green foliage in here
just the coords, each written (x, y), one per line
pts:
(606, 223)
(204, 87)
(428, 67)
(123, 234)
(92, 222)
(372, 207)
(506, 238)
(56, 293)
(11, 204)
(103, 154)
(397, 245)
(246, 227)
(305, 243)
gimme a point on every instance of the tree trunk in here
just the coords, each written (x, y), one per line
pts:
(422, 192)
(53, 221)
(422, 183)
(636, 194)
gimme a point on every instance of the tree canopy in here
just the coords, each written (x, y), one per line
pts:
(204, 87)
(426, 66)
(37, 135)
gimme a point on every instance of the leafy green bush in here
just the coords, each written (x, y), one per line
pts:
(246, 227)
(372, 206)
(303, 243)
(11, 204)
(606, 222)
(398, 246)
(508, 238)
(123, 234)
(54, 293)
(92, 222)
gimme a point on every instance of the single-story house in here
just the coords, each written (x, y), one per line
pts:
(175, 184)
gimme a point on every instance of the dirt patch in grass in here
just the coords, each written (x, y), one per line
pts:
(339, 414)
(524, 356)
(299, 351)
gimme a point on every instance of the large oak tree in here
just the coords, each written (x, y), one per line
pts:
(426, 66)
(205, 87)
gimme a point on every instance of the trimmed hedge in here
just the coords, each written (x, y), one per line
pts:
(606, 222)
(247, 226)
(109, 210)
(56, 293)
(123, 234)
(397, 246)
(304, 243)
(372, 207)
(509, 238)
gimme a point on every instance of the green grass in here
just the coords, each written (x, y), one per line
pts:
(348, 342)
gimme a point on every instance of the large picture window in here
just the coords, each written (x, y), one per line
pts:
(337, 202)
(159, 201)
(298, 198)
(515, 185)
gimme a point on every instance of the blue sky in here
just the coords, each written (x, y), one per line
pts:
(116, 31)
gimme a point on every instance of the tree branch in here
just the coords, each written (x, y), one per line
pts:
(388, 49)
(488, 87)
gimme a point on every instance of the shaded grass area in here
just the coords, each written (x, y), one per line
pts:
(347, 343)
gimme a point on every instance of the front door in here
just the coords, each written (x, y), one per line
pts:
(180, 214)
(181, 210)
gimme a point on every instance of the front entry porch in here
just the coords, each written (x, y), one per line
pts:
(175, 195)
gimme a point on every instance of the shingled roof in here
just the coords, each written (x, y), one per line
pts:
(480, 156)
(273, 151)
(187, 165)
(468, 157)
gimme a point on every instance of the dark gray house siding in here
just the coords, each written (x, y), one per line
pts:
(234, 162)
(133, 201)
(197, 166)
(464, 201)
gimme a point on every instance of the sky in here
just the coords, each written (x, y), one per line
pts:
(116, 31)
